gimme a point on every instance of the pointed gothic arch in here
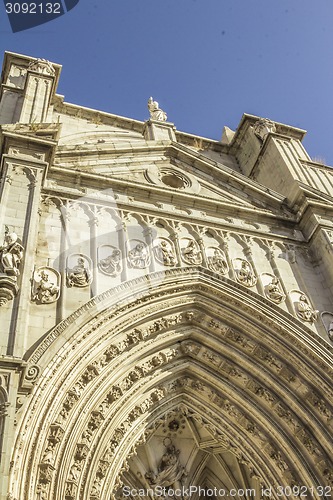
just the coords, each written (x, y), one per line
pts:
(106, 379)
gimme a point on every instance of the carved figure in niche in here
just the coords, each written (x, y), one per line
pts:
(164, 253)
(11, 254)
(42, 491)
(191, 253)
(80, 274)
(48, 457)
(44, 290)
(155, 112)
(169, 470)
(75, 471)
(245, 274)
(305, 311)
(139, 257)
(112, 264)
(96, 487)
(273, 291)
(218, 262)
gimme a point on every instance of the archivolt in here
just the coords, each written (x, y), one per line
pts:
(195, 342)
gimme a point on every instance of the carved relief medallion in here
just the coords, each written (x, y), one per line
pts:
(190, 251)
(244, 272)
(109, 260)
(272, 288)
(303, 307)
(138, 254)
(79, 270)
(164, 252)
(216, 260)
(45, 287)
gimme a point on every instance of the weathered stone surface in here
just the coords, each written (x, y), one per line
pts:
(167, 311)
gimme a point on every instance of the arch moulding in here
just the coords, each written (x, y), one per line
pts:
(239, 388)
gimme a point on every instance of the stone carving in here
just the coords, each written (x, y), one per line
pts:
(42, 66)
(217, 261)
(155, 112)
(169, 470)
(45, 290)
(327, 319)
(272, 288)
(109, 260)
(304, 309)
(244, 273)
(330, 331)
(190, 253)
(138, 256)
(263, 127)
(11, 254)
(79, 275)
(164, 252)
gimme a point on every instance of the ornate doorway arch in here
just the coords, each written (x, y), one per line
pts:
(234, 385)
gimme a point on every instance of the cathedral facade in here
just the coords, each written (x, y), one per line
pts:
(166, 304)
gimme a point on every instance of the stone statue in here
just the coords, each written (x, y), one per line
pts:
(80, 275)
(245, 275)
(138, 256)
(43, 290)
(273, 291)
(165, 254)
(169, 470)
(191, 254)
(217, 262)
(11, 254)
(155, 112)
(305, 311)
(112, 264)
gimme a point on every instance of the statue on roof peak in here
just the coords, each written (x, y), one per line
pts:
(155, 112)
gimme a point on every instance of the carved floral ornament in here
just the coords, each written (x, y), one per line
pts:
(263, 127)
(42, 66)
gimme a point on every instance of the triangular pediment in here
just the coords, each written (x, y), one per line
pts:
(165, 168)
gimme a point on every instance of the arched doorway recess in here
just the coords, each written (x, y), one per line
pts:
(235, 390)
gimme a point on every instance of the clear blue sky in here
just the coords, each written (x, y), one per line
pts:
(206, 61)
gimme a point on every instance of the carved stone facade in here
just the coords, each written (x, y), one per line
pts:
(166, 303)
